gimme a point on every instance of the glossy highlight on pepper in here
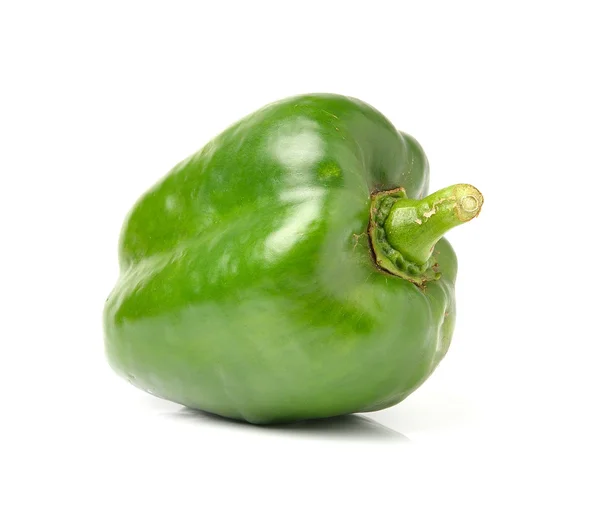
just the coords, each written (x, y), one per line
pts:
(293, 268)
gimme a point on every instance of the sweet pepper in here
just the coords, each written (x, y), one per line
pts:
(293, 268)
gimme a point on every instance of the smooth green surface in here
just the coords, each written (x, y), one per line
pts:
(248, 287)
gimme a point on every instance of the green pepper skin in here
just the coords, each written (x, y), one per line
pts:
(248, 286)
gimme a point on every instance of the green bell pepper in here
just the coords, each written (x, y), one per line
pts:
(293, 268)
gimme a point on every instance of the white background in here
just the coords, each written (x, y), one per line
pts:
(100, 99)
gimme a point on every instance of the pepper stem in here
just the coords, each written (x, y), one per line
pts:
(413, 227)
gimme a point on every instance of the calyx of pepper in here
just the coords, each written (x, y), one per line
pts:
(403, 231)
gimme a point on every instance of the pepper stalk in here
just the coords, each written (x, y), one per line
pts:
(404, 231)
